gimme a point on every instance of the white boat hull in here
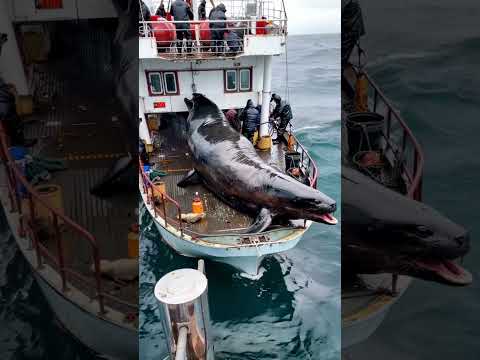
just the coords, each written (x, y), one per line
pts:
(246, 259)
(225, 249)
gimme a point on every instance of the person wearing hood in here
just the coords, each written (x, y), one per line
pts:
(181, 11)
(282, 114)
(144, 14)
(161, 10)
(218, 28)
(202, 12)
(250, 120)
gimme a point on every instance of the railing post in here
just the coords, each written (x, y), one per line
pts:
(164, 210)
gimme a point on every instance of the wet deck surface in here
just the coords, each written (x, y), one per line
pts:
(79, 122)
(174, 158)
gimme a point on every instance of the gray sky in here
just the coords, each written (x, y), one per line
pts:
(313, 16)
(304, 16)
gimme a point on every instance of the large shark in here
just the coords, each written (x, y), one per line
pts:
(228, 164)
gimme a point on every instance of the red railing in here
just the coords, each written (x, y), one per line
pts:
(27, 226)
(401, 141)
(149, 188)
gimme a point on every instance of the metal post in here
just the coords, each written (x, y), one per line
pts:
(183, 298)
(265, 141)
(143, 132)
(11, 64)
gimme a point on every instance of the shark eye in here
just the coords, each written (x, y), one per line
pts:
(423, 231)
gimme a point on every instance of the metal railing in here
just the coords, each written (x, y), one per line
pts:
(400, 141)
(20, 189)
(152, 191)
(207, 38)
(307, 164)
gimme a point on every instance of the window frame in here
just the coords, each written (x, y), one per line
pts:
(164, 91)
(249, 88)
(238, 88)
(225, 75)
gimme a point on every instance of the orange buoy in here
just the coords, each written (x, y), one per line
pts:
(290, 142)
(197, 206)
(361, 93)
(165, 32)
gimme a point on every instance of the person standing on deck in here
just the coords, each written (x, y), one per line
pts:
(282, 114)
(202, 12)
(218, 29)
(161, 10)
(182, 12)
(250, 120)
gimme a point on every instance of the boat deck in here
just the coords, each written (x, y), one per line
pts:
(172, 157)
(79, 121)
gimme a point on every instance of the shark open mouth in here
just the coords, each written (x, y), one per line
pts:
(328, 219)
(448, 270)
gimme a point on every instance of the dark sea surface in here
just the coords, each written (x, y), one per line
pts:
(293, 311)
(430, 72)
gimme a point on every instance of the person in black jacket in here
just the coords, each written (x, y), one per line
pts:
(161, 10)
(202, 12)
(144, 14)
(218, 29)
(282, 114)
(182, 12)
(250, 120)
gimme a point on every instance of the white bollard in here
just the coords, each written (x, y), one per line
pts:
(183, 296)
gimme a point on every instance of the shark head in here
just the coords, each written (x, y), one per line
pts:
(384, 231)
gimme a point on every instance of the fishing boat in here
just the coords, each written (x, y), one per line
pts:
(63, 231)
(367, 301)
(229, 75)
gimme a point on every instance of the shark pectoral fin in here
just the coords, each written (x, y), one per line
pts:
(262, 222)
(192, 178)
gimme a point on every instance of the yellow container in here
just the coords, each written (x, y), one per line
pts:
(153, 123)
(149, 148)
(159, 189)
(133, 245)
(52, 195)
(265, 143)
(24, 105)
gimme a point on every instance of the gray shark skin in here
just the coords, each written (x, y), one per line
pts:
(227, 163)
(386, 232)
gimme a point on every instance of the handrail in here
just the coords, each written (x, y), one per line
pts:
(26, 227)
(416, 174)
(149, 188)
(201, 41)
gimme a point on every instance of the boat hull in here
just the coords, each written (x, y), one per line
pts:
(245, 259)
(76, 312)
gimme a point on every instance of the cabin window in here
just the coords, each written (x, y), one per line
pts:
(238, 80)
(245, 80)
(170, 83)
(156, 83)
(231, 80)
(162, 83)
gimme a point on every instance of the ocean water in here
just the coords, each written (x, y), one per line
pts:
(293, 311)
(430, 72)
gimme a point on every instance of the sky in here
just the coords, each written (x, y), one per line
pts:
(307, 16)
(313, 16)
